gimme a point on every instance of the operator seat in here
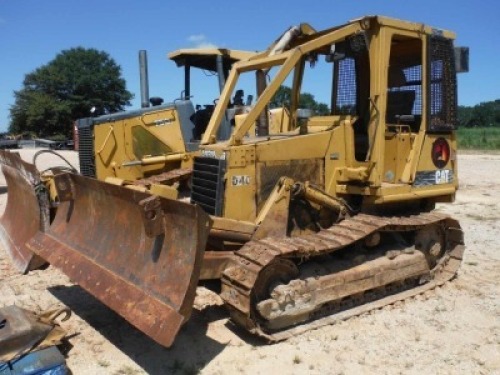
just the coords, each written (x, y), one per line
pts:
(399, 103)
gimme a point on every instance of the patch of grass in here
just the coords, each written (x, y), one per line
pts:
(297, 359)
(487, 138)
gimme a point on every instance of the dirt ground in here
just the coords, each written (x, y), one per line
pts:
(452, 330)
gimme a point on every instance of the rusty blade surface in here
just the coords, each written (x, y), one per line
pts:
(23, 216)
(138, 254)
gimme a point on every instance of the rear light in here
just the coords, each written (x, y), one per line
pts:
(440, 152)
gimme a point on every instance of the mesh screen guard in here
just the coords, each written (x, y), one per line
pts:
(442, 111)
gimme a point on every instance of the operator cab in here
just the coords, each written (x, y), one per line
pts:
(209, 62)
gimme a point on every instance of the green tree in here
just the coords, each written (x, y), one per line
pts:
(465, 116)
(486, 114)
(283, 97)
(56, 94)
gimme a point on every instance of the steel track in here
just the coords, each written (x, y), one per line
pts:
(242, 275)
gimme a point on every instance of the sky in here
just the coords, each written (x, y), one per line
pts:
(33, 32)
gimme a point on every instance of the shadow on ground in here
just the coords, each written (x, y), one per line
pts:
(192, 349)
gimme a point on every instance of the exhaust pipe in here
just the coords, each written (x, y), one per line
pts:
(220, 72)
(143, 71)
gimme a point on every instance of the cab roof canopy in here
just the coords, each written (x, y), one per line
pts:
(205, 58)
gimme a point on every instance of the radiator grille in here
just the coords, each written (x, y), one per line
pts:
(86, 151)
(208, 184)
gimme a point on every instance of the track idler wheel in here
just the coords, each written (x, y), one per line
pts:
(279, 272)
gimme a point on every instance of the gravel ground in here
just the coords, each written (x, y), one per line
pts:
(453, 329)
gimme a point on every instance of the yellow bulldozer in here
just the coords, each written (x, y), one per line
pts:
(310, 222)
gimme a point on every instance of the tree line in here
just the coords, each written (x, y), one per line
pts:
(283, 97)
(486, 114)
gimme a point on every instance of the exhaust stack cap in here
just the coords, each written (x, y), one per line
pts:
(156, 100)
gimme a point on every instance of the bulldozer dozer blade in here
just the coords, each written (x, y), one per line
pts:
(26, 213)
(139, 254)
